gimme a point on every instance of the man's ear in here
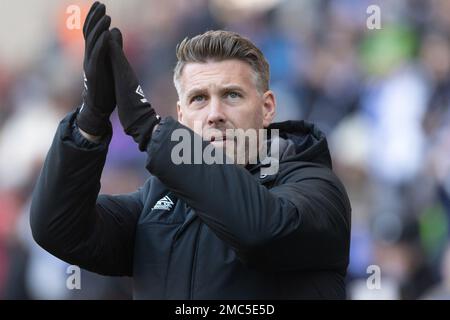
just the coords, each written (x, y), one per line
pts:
(179, 112)
(269, 105)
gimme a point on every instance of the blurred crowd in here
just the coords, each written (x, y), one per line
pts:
(382, 96)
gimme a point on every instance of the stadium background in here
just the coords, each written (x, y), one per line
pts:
(381, 96)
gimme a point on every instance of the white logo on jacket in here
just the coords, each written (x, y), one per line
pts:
(165, 203)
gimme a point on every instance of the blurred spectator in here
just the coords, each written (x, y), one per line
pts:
(442, 290)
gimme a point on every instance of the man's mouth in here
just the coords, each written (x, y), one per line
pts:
(218, 138)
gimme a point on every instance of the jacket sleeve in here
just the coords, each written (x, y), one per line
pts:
(303, 223)
(68, 217)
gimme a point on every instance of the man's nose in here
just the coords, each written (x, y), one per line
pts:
(216, 115)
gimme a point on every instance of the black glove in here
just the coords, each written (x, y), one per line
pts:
(98, 95)
(136, 115)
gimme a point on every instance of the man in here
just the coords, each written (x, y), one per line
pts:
(194, 231)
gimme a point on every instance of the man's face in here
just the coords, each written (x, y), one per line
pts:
(216, 96)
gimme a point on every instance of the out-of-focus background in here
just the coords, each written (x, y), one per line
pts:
(382, 96)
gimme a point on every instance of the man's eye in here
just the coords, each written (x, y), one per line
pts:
(233, 95)
(198, 98)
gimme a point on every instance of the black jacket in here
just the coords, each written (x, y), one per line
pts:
(200, 231)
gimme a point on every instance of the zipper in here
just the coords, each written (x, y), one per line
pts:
(194, 262)
(166, 276)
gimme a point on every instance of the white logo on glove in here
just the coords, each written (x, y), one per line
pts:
(85, 81)
(140, 92)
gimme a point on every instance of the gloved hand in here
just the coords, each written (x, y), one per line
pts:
(136, 115)
(98, 95)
